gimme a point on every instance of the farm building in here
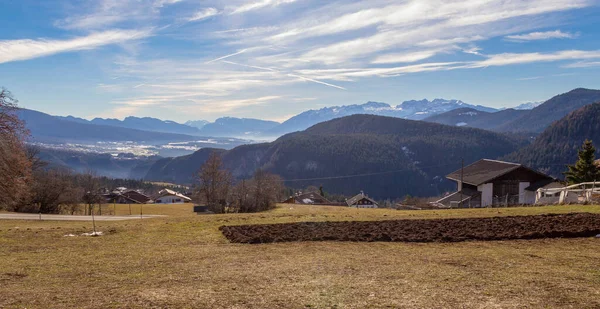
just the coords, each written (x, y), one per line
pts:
(311, 198)
(361, 200)
(491, 182)
(167, 196)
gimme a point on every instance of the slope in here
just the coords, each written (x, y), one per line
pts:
(477, 119)
(539, 118)
(558, 145)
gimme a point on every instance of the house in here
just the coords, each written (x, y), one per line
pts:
(127, 197)
(491, 182)
(362, 201)
(311, 198)
(167, 196)
(133, 197)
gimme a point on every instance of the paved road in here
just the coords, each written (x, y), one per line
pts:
(20, 216)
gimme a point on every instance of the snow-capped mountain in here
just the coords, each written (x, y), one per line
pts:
(197, 123)
(528, 105)
(414, 110)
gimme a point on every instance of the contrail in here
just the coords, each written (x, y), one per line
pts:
(249, 66)
(317, 81)
(291, 75)
(225, 57)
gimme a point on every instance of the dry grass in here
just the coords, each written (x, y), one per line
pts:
(183, 261)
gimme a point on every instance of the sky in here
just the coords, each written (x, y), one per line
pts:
(271, 59)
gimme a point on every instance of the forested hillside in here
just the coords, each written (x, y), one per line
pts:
(384, 156)
(539, 118)
(558, 145)
(469, 117)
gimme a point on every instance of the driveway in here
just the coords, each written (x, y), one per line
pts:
(22, 216)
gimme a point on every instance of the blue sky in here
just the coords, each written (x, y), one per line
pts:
(202, 59)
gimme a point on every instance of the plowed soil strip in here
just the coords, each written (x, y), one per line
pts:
(435, 230)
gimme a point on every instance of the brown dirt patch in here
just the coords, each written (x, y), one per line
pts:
(437, 230)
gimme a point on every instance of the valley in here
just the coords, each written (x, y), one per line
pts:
(389, 152)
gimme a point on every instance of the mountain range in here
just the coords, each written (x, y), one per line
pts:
(414, 110)
(144, 124)
(535, 120)
(47, 128)
(264, 129)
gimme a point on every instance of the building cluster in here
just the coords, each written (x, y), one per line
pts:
(360, 200)
(123, 195)
(485, 183)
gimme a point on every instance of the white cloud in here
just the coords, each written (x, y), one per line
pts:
(427, 23)
(102, 14)
(15, 50)
(534, 36)
(512, 58)
(259, 5)
(204, 14)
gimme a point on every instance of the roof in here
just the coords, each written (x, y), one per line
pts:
(540, 184)
(136, 196)
(456, 196)
(310, 198)
(353, 200)
(485, 170)
(165, 192)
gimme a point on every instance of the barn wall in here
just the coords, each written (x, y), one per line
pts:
(487, 194)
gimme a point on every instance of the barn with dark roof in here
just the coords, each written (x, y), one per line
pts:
(491, 182)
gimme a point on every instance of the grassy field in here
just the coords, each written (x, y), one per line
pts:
(183, 261)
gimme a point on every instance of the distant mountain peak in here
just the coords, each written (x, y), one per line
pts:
(528, 105)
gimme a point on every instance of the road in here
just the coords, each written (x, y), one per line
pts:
(21, 216)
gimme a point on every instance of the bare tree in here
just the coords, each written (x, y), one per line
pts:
(15, 168)
(53, 191)
(91, 187)
(215, 184)
(33, 155)
(260, 193)
(267, 190)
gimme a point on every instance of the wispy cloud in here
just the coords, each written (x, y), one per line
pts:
(259, 5)
(405, 57)
(513, 58)
(247, 53)
(583, 64)
(15, 50)
(204, 14)
(534, 36)
(104, 14)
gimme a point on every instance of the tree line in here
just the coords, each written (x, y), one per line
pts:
(221, 194)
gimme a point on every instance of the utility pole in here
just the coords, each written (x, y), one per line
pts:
(462, 167)
(93, 220)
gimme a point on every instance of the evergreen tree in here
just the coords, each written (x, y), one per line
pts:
(585, 169)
